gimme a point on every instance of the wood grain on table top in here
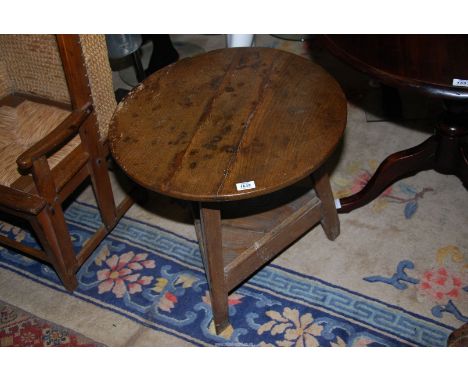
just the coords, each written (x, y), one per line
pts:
(197, 127)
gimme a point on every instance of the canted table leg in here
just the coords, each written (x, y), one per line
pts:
(212, 251)
(330, 222)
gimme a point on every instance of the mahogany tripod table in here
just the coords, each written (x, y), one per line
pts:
(436, 66)
(243, 133)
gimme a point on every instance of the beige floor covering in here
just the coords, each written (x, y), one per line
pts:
(373, 240)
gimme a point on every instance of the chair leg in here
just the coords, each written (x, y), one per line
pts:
(98, 170)
(103, 192)
(330, 222)
(54, 237)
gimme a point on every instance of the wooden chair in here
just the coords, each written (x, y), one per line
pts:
(56, 99)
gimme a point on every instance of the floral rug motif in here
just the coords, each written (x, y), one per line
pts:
(155, 277)
(445, 284)
(356, 176)
(19, 328)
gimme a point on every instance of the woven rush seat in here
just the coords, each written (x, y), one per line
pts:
(20, 128)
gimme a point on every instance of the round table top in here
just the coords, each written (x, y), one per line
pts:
(199, 128)
(429, 63)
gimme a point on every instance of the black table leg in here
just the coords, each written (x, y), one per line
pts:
(140, 73)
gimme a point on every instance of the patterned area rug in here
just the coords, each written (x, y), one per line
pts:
(155, 277)
(396, 276)
(19, 328)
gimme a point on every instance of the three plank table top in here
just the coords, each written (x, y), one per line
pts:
(197, 128)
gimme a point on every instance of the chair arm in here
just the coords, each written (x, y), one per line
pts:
(57, 137)
(15, 200)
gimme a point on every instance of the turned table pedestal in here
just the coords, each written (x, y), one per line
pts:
(242, 133)
(434, 66)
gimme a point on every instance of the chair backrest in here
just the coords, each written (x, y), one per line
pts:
(94, 50)
(32, 65)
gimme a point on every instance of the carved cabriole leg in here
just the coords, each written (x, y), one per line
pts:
(393, 168)
(330, 222)
(210, 227)
(445, 151)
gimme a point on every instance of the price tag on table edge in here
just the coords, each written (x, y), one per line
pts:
(459, 82)
(245, 185)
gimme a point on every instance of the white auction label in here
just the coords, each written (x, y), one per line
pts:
(458, 82)
(245, 185)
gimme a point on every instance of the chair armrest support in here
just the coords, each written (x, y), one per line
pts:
(57, 137)
(19, 201)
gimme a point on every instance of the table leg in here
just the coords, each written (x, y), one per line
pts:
(391, 102)
(210, 227)
(446, 152)
(140, 73)
(452, 134)
(459, 338)
(330, 222)
(393, 168)
(464, 165)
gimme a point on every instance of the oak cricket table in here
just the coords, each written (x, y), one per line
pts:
(243, 132)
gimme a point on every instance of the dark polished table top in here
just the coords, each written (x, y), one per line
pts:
(429, 63)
